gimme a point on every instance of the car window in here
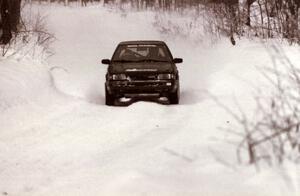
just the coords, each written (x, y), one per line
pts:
(141, 52)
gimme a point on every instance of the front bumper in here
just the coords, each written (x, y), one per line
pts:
(142, 88)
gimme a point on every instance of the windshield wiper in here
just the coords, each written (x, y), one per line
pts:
(138, 61)
(123, 61)
(151, 60)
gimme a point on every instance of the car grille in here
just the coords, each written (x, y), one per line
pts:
(142, 77)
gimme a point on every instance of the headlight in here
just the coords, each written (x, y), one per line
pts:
(165, 76)
(118, 77)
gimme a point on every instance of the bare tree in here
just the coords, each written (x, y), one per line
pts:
(10, 17)
(272, 133)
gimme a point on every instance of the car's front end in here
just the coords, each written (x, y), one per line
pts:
(142, 83)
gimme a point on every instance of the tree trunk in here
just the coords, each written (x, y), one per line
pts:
(5, 22)
(293, 9)
(249, 3)
(15, 12)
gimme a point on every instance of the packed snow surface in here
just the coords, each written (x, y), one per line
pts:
(58, 138)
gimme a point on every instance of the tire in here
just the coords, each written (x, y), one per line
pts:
(109, 98)
(174, 97)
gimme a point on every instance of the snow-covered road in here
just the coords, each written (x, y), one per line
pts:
(58, 137)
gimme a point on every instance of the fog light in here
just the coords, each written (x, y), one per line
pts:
(163, 99)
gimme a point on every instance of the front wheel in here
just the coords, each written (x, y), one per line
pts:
(109, 98)
(174, 97)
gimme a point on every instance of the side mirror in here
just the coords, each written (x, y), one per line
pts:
(105, 61)
(177, 60)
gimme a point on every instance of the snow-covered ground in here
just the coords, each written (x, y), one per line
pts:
(58, 138)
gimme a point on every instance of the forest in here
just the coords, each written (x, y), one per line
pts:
(231, 18)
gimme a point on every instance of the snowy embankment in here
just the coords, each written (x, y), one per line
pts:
(58, 138)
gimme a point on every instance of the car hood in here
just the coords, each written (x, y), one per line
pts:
(160, 67)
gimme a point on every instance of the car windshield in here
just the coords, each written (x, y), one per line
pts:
(142, 52)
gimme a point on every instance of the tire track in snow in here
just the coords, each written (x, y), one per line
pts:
(137, 152)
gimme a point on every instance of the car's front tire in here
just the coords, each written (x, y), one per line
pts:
(109, 98)
(174, 97)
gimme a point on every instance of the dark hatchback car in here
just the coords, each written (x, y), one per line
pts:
(142, 69)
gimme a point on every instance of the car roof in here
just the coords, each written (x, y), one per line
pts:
(142, 42)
